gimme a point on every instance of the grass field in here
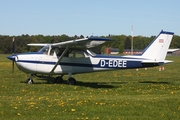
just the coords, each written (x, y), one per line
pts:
(113, 95)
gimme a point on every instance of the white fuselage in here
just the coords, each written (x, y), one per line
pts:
(44, 63)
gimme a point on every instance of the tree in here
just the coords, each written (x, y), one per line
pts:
(103, 49)
(121, 47)
(119, 41)
(175, 42)
(127, 43)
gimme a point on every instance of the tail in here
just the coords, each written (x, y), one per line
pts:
(157, 49)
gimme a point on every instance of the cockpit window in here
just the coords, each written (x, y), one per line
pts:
(76, 53)
(44, 50)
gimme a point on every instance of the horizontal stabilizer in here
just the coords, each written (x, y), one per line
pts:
(167, 61)
(148, 63)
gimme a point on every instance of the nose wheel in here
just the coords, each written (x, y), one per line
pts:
(29, 81)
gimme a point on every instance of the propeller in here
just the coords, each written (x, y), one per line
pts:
(13, 57)
(13, 66)
(13, 49)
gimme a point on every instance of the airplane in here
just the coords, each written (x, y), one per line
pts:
(74, 57)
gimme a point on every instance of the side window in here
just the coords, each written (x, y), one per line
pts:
(52, 52)
(55, 52)
(80, 54)
(59, 52)
(71, 53)
(76, 54)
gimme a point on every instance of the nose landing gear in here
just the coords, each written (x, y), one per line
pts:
(30, 80)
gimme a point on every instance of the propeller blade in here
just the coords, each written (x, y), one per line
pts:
(13, 39)
(13, 66)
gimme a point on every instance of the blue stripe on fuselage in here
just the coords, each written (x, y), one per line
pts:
(116, 64)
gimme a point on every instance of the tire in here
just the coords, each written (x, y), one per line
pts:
(29, 81)
(71, 81)
(59, 80)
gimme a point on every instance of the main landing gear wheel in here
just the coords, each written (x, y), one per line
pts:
(71, 81)
(29, 81)
(59, 79)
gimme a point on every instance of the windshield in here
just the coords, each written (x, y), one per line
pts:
(44, 50)
(91, 53)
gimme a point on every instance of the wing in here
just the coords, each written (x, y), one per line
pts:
(37, 44)
(83, 43)
(79, 43)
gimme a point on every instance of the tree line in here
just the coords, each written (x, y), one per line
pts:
(119, 41)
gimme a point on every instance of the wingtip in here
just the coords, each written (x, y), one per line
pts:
(99, 39)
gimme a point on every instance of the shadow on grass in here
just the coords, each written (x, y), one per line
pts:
(79, 83)
(94, 85)
(154, 82)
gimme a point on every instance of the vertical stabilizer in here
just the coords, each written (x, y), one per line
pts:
(157, 49)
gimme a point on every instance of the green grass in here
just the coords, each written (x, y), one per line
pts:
(112, 95)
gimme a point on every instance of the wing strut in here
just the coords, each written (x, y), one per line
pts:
(60, 58)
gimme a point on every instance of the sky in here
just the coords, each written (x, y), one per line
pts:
(89, 17)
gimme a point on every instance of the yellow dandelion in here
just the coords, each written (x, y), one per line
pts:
(19, 114)
(73, 110)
